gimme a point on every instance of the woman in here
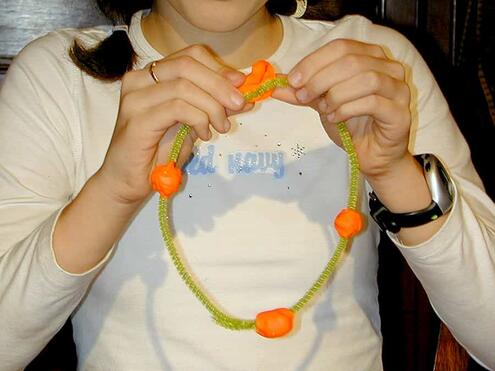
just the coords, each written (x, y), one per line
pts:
(81, 135)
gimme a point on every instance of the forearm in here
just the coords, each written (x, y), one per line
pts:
(456, 268)
(89, 226)
(36, 297)
(404, 189)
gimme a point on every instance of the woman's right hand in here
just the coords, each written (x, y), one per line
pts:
(193, 88)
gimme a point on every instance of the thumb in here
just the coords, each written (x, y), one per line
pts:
(287, 94)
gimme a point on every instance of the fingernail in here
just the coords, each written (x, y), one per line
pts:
(226, 125)
(237, 99)
(322, 105)
(302, 95)
(234, 76)
(330, 117)
(295, 78)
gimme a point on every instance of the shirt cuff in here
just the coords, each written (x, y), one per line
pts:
(440, 240)
(52, 271)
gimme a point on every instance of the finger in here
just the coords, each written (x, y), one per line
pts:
(381, 109)
(211, 82)
(149, 127)
(207, 57)
(235, 77)
(362, 85)
(138, 79)
(138, 101)
(327, 54)
(286, 94)
(246, 108)
(188, 68)
(202, 54)
(166, 144)
(156, 94)
(345, 68)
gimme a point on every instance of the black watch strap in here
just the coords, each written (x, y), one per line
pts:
(393, 222)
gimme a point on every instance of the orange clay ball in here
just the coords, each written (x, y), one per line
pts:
(348, 223)
(166, 179)
(261, 72)
(274, 323)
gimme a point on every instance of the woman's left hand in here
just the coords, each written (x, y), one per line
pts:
(347, 80)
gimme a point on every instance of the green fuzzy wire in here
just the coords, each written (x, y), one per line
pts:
(279, 82)
(220, 317)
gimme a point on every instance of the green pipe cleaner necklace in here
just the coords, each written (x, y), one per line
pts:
(277, 322)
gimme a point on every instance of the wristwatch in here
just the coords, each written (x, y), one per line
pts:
(442, 194)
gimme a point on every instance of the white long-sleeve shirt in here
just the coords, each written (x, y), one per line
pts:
(253, 222)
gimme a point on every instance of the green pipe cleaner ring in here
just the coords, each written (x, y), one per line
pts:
(220, 317)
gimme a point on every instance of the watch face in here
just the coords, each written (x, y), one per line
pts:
(442, 194)
(446, 180)
(439, 182)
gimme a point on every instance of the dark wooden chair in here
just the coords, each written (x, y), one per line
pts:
(414, 338)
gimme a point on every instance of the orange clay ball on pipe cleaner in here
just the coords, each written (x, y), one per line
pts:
(276, 322)
(348, 223)
(166, 179)
(262, 71)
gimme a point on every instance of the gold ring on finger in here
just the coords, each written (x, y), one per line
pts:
(152, 72)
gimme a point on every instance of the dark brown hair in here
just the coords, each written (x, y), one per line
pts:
(114, 56)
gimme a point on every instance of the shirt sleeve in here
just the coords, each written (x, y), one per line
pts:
(457, 265)
(38, 157)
